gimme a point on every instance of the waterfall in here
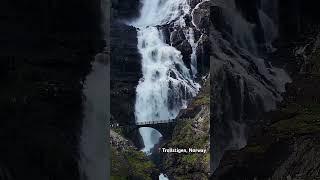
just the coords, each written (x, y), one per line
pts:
(167, 83)
(244, 83)
(190, 37)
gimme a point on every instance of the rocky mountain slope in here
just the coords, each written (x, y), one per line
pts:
(286, 144)
(192, 131)
(128, 162)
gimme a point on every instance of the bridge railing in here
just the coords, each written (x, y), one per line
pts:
(148, 122)
(155, 122)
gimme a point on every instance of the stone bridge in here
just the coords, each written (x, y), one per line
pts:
(165, 127)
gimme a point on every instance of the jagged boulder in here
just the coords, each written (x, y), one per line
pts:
(193, 3)
(200, 15)
(202, 53)
(186, 51)
(177, 37)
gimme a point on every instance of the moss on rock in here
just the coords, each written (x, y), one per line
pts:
(191, 133)
(129, 163)
(202, 100)
(307, 121)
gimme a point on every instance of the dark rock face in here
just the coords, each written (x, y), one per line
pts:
(179, 41)
(297, 16)
(284, 145)
(201, 19)
(125, 72)
(200, 16)
(249, 8)
(186, 51)
(72, 19)
(124, 9)
(288, 147)
(176, 37)
(125, 66)
(46, 50)
(203, 56)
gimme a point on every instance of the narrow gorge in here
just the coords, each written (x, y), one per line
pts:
(255, 105)
(172, 64)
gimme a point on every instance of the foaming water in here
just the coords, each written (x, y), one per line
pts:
(167, 83)
(190, 37)
(160, 12)
(163, 177)
(164, 77)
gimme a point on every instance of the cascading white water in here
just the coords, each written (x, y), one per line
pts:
(190, 37)
(166, 84)
(153, 102)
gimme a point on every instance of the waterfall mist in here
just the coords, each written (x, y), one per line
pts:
(167, 83)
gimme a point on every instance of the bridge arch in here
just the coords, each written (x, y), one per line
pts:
(164, 127)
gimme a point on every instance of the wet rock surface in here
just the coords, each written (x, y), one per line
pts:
(125, 72)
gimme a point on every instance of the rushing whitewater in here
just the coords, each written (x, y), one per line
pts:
(167, 84)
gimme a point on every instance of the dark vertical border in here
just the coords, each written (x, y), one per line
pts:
(106, 6)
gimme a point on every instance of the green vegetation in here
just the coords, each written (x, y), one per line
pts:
(118, 130)
(185, 166)
(186, 136)
(191, 133)
(141, 166)
(307, 121)
(191, 159)
(120, 169)
(131, 163)
(202, 100)
(118, 178)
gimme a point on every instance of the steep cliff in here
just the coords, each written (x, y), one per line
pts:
(284, 144)
(125, 62)
(187, 33)
(192, 131)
